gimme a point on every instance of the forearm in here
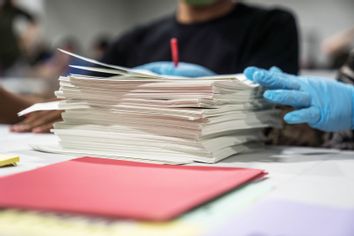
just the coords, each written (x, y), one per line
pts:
(10, 105)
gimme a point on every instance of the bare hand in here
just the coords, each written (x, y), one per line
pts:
(38, 122)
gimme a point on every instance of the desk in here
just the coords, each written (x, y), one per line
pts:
(311, 176)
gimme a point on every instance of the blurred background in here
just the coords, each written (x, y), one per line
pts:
(87, 26)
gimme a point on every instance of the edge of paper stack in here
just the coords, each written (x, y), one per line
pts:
(144, 116)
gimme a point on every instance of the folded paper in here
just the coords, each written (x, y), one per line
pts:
(120, 189)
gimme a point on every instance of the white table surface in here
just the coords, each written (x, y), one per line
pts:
(316, 176)
(313, 175)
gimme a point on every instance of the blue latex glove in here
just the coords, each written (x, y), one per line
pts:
(183, 69)
(324, 104)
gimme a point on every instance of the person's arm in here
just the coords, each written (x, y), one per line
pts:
(339, 42)
(37, 122)
(10, 105)
(323, 104)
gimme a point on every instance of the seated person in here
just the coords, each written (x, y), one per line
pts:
(225, 37)
(222, 35)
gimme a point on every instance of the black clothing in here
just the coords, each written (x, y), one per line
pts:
(247, 36)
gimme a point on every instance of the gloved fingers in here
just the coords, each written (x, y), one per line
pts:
(183, 69)
(167, 69)
(144, 71)
(292, 98)
(155, 67)
(249, 72)
(143, 67)
(309, 115)
(271, 80)
(190, 70)
(275, 69)
(275, 80)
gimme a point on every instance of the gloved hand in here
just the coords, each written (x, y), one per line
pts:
(183, 69)
(324, 104)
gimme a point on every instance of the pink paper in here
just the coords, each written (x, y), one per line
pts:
(121, 189)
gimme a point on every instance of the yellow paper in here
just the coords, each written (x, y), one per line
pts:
(6, 160)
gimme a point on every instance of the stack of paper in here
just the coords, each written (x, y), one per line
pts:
(170, 119)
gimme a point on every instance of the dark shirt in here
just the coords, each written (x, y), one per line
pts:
(247, 36)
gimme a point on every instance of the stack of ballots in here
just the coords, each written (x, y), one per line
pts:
(140, 115)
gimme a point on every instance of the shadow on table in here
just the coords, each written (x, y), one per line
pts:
(280, 154)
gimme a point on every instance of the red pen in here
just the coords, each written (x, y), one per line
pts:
(174, 51)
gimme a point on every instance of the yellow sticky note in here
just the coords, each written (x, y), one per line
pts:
(6, 160)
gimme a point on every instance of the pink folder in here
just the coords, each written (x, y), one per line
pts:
(121, 189)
